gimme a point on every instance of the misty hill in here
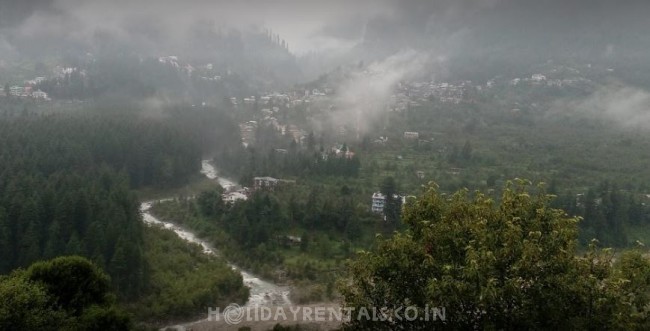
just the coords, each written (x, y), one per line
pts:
(46, 34)
(480, 39)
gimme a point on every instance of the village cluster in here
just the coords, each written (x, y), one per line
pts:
(269, 107)
(26, 90)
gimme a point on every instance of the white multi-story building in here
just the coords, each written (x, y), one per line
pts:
(16, 91)
(378, 202)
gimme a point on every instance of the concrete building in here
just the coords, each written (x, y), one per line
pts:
(378, 202)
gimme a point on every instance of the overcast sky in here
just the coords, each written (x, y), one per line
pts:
(314, 25)
(306, 24)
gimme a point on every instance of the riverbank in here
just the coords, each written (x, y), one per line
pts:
(183, 280)
(262, 293)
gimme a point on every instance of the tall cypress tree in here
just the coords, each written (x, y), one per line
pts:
(118, 267)
(6, 244)
(74, 245)
(55, 245)
(30, 250)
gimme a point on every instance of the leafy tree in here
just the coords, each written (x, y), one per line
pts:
(26, 306)
(74, 281)
(506, 266)
(67, 293)
(102, 318)
(211, 202)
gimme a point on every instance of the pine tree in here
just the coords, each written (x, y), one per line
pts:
(466, 152)
(393, 204)
(118, 267)
(74, 245)
(54, 245)
(29, 249)
(64, 215)
(6, 244)
(96, 243)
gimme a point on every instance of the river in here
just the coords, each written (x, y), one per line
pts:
(262, 293)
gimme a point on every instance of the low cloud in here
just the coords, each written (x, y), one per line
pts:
(628, 107)
(365, 95)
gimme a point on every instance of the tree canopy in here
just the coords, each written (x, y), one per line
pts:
(67, 293)
(509, 265)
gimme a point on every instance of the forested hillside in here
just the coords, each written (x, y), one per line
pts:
(150, 152)
(65, 189)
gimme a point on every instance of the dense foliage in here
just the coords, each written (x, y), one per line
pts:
(276, 155)
(506, 266)
(64, 189)
(66, 293)
(545, 133)
(183, 280)
(150, 152)
(608, 212)
(299, 233)
(89, 213)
